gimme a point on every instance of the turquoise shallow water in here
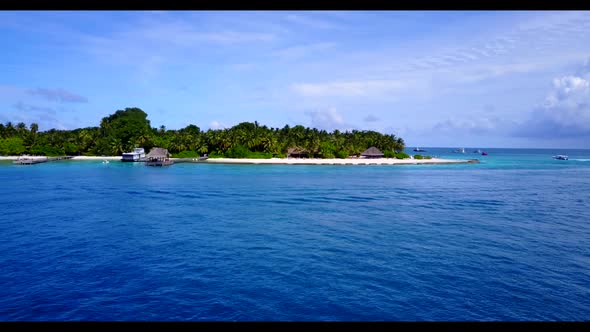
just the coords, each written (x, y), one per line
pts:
(506, 239)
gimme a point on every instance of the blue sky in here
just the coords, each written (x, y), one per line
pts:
(435, 78)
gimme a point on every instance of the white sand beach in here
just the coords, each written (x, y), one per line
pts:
(360, 161)
(292, 161)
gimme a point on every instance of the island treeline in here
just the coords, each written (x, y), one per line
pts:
(129, 128)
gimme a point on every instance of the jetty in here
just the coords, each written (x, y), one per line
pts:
(28, 160)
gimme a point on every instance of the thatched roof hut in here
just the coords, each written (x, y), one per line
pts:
(158, 153)
(372, 152)
(297, 152)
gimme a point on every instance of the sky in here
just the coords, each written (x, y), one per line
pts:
(434, 78)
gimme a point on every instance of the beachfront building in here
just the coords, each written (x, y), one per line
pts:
(297, 152)
(372, 152)
(158, 157)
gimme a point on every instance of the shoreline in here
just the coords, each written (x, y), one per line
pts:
(291, 161)
(334, 161)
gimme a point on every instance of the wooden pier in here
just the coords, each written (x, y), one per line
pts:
(26, 160)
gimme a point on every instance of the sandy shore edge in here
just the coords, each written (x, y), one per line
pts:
(74, 158)
(378, 161)
(293, 161)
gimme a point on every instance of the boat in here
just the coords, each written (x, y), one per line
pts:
(477, 151)
(560, 157)
(28, 160)
(461, 150)
(484, 153)
(419, 150)
(138, 154)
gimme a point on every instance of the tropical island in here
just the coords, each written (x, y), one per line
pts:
(247, 141)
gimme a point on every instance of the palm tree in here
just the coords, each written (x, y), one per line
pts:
(116, 146)
(34, 128)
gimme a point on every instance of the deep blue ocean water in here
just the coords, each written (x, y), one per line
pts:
(504, 240)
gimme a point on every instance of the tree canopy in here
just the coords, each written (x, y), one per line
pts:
(129, 128)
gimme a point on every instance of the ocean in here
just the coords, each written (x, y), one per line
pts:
(503, 240)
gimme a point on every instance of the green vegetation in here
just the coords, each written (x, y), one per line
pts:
(401, 155)
(129, 128)
(418, 156)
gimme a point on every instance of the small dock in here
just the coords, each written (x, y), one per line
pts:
(38, 160)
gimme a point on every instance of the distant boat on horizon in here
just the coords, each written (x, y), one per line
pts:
(419, 150)
(461, 150)
(561, 157)
(477, 151)
(484, 153)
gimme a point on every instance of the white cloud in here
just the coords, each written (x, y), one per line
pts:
(216, 125)
(566, 111)
(328, 119)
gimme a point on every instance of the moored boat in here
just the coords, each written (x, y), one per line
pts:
(560, 157)
(138, 154)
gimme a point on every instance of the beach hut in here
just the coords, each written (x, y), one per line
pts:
(372, 152)
(158, 157)
(297, 152)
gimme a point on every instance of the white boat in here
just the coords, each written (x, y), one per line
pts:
(461, 150)
(28, 160)
(138, 154)
(419, 150)
(560, 157)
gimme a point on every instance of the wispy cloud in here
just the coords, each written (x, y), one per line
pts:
(309, 21)
(293, 52)
(472, 126)
(242, 66)
(348, 88)
(32, 108)
(46, 117)
(60, 95)
(371, 118)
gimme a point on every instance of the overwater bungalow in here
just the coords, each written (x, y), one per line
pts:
(372, 152)
(297, 152)
(158, 157)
